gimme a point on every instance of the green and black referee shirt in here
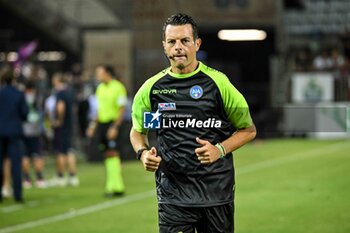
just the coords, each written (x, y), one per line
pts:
(181, 107)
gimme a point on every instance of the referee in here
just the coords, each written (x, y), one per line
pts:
(200, 119)
(111, 100)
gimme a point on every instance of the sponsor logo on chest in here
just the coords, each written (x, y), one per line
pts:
(166, 106)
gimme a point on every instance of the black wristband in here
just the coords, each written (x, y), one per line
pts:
(140, 151)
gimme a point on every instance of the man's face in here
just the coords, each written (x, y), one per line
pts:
(181, 48)
(55, 82)
(100, 74)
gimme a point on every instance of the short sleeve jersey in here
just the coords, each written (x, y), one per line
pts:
(200, 104)
(110, 97)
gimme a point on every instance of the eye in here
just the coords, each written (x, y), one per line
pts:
(186, 41)
(171, 41)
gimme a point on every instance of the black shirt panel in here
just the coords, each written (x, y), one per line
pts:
(181, 179)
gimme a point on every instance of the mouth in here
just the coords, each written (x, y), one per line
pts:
(179, 57)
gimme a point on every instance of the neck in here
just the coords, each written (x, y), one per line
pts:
(107, 80)
(61, 86)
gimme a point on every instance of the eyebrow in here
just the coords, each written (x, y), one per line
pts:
(187, 37)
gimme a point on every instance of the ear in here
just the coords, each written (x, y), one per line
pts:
(198, 43)
(163, 42)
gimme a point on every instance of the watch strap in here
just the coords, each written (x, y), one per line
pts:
(140, 151)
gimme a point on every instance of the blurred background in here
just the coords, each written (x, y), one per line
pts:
(294, 75)
(295, 79)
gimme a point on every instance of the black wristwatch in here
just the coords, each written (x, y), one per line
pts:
(140, 151)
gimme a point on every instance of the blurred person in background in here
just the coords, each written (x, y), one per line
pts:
(111, 99)
(337, 59)
(193, 164)
(302, 61)
(87, 112)
(6, 185)
(32, 128)
(92, 102)
(14, 110)
(83, 109)
(322, 61)
(63, 131)
(77, 83)
(87, 108)
(49, 119)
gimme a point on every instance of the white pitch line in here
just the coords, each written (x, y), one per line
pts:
(293, 157)
(30, 204)
(79, 212)
(243, 170)
(12, 208)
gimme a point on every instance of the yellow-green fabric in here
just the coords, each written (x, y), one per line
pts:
(114, 179)
(111, 97)
(234, 103)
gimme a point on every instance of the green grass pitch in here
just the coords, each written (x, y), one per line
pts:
(289, 186)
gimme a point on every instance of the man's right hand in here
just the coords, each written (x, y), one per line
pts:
(150, 160)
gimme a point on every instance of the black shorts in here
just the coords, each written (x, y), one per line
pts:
(31, 146)
(104, 143)
(175, 219)
(62, 140)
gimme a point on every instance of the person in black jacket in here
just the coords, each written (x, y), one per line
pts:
(13, 111)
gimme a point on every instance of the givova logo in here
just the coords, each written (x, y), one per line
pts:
(153, 120)
(164, 92)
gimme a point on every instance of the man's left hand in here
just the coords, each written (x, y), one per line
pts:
(207, 153)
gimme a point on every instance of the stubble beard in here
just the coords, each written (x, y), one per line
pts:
(180, 66)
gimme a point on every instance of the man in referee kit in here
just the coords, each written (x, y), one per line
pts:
(200, 118)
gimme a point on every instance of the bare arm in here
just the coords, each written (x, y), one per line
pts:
(60, 108)
(209, 153)
(239, 138)
(149, 158)
(138, 140)
(120, 118)
(113, 130)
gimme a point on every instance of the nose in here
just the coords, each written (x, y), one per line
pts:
(178, 45)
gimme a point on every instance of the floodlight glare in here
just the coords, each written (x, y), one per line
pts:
(242, 34)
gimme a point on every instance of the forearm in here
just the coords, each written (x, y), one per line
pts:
(148, 157)
(60, 112)
(239, 138)
(120, 118)
(138, 140)
(93, 123)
